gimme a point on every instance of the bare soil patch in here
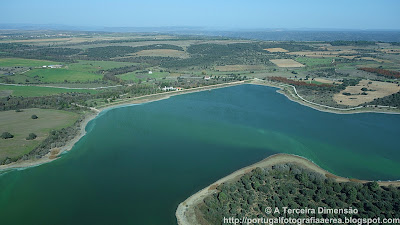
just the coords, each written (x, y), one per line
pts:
(276, 50)
(349, 56)
(326, 81)
(375, 89)
(286, 63)
(375, 59)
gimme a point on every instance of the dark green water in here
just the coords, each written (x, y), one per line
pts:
(137, 163)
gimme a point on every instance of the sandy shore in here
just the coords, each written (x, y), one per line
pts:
(95, 112)
(185, 212)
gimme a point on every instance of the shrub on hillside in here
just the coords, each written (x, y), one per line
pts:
(6, 135)
(31, 136)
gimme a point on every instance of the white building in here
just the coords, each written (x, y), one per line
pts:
(55, 66)
(168, 88)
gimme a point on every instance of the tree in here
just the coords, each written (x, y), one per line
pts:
(34, 117)
(373, 186)
(222, 197)
(31, 136)
(6, 135)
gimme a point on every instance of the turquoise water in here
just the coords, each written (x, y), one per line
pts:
(137, 163)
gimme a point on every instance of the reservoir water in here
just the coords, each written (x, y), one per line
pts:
(137, 163)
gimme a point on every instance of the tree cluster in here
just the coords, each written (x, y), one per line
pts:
(296, 82)
(109, 52)
(382, 72)
(289, 185)
(352, 43)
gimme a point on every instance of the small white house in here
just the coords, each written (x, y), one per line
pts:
(55, 66)
(168, 88)
(150, 72)
(207, 78)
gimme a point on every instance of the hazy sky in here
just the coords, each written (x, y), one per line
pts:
(348, 14)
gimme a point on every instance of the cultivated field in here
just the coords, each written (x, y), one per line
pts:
(229, 68)
(11, 62)
(36, 91)
(76, 40)
(276, 50)
(375, 59)
(349, 56)
(62, 75)
(286, 63)
(20, 124)
(326, 81)
(81, 71)
(375, 89)
(133, 76)
(314, 61)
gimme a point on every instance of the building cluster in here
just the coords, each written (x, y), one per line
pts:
(171, 88)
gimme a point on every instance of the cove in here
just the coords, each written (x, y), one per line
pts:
(137, 163)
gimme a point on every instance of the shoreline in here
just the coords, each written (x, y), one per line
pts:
(185, 213)
(151, 98)
(49, 157)
(321, 108)
(23, 164)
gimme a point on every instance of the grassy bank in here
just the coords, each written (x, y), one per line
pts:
(21, 124)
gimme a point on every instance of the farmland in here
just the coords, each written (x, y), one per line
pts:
(20, 124)
(143, 76)
(83, 71)
(314, 61)
(35, 91)
(286, 63)
(127, 65)
(365, 91)
(276, 50)
(62, 75)
(12, 62)
(124, 59)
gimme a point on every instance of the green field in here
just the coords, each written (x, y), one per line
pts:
(82, 71)
(20, 124)
(62, 75)
(133, 76)
(11, 62)
(308, 61)
(92, 66)
(34, 91)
